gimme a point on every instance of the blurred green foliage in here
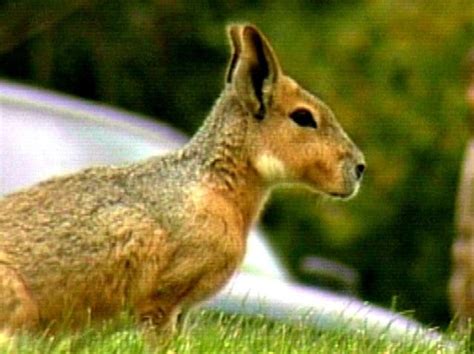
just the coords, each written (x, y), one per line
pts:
(389, 69)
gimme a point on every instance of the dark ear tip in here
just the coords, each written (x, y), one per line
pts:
(246, 28)
(250, 31)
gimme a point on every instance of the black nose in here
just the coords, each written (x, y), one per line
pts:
(360, 168)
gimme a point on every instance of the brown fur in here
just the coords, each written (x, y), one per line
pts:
(160, 235)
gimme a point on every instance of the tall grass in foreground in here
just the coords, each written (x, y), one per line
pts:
(210, 332)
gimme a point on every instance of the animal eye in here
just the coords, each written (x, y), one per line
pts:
(303, 118)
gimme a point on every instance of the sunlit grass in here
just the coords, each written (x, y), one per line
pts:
(210, 332)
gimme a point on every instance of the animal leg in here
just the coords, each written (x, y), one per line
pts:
(18, 310)
(158, 320)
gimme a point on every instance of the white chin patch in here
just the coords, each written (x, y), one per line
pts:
(270, 167)
(353, 194)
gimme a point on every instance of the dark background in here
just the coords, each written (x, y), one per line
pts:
(391, 71)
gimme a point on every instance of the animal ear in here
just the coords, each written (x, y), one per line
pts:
(253, 68)
(235, 41)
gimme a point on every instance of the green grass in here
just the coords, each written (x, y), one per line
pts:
(209, 332)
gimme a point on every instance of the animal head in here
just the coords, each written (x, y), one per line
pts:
(293, 135)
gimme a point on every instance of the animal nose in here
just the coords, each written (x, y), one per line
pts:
(359, 170)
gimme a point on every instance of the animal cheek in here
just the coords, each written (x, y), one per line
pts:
(323, 172)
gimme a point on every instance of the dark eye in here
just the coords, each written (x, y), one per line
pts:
(303, 118)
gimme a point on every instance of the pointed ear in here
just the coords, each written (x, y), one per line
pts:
(235, 41)
(253, 68)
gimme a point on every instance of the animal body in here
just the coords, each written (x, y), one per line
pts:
(158, 236)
